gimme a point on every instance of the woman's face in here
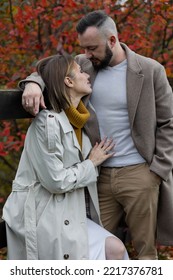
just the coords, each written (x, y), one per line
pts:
(81, 83)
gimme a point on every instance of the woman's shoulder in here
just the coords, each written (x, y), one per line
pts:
(46, 115)
(43, 120)
(45, 128)
(51, 120)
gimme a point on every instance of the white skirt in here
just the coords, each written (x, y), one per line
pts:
(96, 238)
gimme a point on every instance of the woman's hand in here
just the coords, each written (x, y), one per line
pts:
(102, 151)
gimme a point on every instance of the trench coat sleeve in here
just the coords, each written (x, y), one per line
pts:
(56, 173)
(34, 77)
(162, 161)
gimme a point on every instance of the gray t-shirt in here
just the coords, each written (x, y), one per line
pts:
(109, 99)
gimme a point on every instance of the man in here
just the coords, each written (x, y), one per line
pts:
(133, 102)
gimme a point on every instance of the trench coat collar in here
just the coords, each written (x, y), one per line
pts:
(67, 127)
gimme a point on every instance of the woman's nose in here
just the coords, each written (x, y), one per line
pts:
(88, 76)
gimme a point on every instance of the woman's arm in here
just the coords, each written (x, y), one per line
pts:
(56, 160)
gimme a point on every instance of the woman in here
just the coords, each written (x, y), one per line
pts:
(53, 211)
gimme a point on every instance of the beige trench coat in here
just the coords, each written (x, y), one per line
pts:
(150, 109)
(46, 209)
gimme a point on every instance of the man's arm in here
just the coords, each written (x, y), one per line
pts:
(162, 159)
(33, 87)
(32, 97)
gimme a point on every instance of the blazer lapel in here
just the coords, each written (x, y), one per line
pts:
(134, 86)
(135, 80)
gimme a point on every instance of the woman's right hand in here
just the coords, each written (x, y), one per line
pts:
(102, 151)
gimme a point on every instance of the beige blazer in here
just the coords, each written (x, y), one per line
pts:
(150, 109)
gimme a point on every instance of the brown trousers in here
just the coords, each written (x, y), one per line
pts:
(134, 190)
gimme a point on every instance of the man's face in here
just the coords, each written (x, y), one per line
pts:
(96, 47)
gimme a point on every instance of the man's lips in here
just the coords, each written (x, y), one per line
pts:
(94, 60)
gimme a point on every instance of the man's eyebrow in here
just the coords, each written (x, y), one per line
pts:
(84, 47)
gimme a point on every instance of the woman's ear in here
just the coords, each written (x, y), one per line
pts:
(68, 82)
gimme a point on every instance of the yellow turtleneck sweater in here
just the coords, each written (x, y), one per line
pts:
(78, 117)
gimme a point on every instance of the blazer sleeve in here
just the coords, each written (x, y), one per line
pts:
(162, 162)
(35, 78)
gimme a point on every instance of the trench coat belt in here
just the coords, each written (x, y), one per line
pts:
(29, 220)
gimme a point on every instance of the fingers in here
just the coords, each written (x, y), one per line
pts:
(102, 151)
(32, 98)
(42, 103)
(107, 144)
(105, 147)
(31, 105)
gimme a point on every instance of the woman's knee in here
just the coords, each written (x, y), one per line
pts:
(114, 248)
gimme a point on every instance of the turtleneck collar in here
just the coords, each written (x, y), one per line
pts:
(77, 116)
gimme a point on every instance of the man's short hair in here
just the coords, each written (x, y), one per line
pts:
(95, 18)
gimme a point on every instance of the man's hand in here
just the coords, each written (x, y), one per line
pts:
(32, 98)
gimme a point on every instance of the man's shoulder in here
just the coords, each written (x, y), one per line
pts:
(146, 64)
(138, 61)
(144, 60)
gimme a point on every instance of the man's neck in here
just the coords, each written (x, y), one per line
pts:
(119, 56)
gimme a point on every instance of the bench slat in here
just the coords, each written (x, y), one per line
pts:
(11, 105)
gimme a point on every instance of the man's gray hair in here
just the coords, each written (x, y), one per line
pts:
(100, 20)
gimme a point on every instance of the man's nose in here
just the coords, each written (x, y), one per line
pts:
(88, 53)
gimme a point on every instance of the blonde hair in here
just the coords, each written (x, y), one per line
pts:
(53, 70)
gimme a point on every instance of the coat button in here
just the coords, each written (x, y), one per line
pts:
(51, 116)
(66, 222)
(66, 256)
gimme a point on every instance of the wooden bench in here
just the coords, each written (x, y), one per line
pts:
(10, 108)
(11, 104)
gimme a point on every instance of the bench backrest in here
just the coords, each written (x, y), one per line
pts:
(11, 104)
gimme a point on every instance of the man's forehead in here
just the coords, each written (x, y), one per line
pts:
(90, 37)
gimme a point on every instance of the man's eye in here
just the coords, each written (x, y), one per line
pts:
(92, 49)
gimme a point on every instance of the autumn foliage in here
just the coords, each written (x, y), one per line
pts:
(33, 29)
